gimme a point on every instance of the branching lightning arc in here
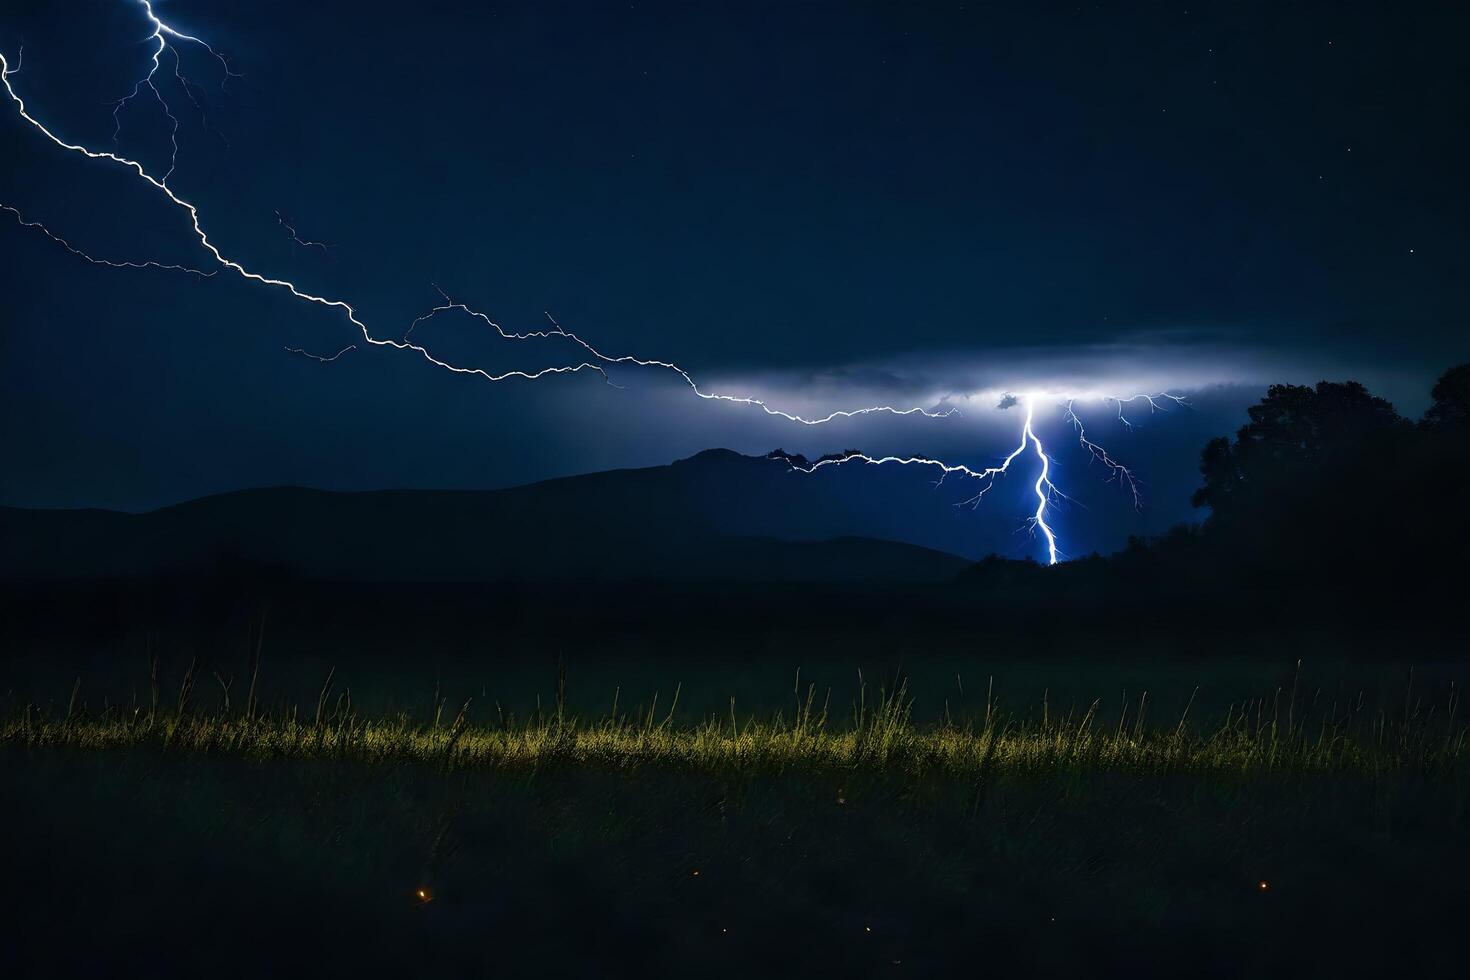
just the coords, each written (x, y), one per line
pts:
(165, 41)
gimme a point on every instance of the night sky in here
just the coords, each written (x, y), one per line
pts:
(826, 205)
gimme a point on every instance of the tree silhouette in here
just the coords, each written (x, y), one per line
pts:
(1327, 507)
(1451, 408)
(1295, 433)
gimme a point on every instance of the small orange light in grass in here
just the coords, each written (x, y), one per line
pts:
(696, 872)
(1263, 885)
(422, 894)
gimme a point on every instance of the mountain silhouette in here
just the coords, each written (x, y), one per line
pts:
(717, 516)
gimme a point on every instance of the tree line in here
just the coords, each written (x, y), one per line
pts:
(1327, 492)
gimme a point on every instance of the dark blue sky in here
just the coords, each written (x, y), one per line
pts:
(827, 204)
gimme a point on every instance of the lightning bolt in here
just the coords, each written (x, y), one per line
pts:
(1117, 471)
(160, 46)
(623, 360)
(21, 220)
(303, 242)
(322, 358)
(188, 89)
(591, 359)
(160, 34)
(159, 38)
(1043, 489)
(1152, 400)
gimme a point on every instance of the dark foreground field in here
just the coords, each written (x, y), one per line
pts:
(1296, 835)
(1050, 794)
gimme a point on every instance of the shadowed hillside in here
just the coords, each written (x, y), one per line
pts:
(717, 516)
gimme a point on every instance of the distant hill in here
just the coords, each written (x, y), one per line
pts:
(717, 516)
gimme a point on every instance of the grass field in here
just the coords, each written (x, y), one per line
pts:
(1282, 734)
(1290, 832)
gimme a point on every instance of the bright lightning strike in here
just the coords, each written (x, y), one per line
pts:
(557, 330)
(158, 37)
(1043, 489)
(160, 34)
(160, 46)
(162, 38)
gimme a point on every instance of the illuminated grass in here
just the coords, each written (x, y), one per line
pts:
(844, 839)
(1256, 737)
